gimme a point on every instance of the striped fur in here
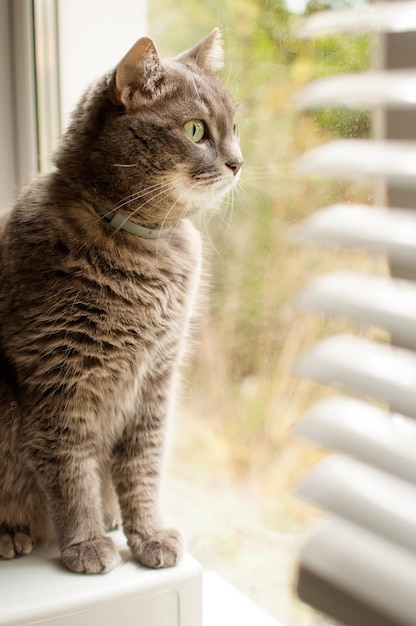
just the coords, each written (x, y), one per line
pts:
(93, 321)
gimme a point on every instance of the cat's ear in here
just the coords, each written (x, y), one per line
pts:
(208, 53)
(139, 76)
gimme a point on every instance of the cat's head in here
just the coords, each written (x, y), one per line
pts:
(156, 139)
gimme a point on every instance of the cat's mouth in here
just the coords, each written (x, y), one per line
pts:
(224, 184)
(203, 190)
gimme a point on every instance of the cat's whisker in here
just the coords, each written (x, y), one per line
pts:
(226, 207)
(260, 177)
(209, 239)
(161, 188)
(239, 187)
(141, 194)
(229, 207)
(133, 198)
(164, 192)
(206, 230)
(149, 189)
(187, 191)
(258, 174)
(183, 213)
(125, 164)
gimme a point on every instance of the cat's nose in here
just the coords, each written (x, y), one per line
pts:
(235, 166)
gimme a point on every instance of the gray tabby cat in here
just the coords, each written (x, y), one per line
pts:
(99, 272)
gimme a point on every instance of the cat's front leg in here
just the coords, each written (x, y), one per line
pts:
(136, 474)
(70, 481)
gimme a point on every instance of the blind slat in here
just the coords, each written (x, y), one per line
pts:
(368, 496)
(359, 226)
(351, 426)
(361, 567)
(388, 17)
(361, 91)
(353, 159)
(369, 300)
(381, 371)
(372, 572)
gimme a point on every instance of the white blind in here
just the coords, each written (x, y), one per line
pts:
(360, 567)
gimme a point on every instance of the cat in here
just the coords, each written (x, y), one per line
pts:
(99, 273)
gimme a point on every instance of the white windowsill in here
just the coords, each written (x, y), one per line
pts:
(225, 605)
(37, 589)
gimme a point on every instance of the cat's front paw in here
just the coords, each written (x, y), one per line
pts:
(14, 541)
(163, 548)
(95, 556)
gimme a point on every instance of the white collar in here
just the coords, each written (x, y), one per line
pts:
(119, 222)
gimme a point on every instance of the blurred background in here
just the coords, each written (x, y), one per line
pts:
(235, 464)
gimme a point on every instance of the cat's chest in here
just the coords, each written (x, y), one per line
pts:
(144, 328)
(145, 302)
(104, 320)
(146, 312)
(139, 300)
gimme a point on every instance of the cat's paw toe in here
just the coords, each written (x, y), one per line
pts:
(95, 556)
(23, 543)
(14, 541)
(164, 548)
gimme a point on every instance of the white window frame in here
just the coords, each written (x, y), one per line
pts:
(18, 132)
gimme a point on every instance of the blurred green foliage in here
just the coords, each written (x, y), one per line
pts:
(241, 401)
(255, 269)
(251, 334)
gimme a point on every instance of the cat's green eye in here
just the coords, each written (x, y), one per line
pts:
(195, 130)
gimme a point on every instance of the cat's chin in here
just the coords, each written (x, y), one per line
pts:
(206, 201)
(217, 192)
(195, 197)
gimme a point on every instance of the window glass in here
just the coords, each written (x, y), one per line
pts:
(75, 43)
(235, 462)
(92, 44)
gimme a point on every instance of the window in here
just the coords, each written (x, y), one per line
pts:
(17, 100)
(72, 49)
(234, 463)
